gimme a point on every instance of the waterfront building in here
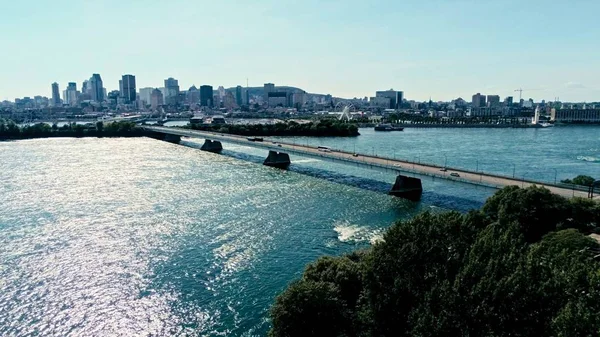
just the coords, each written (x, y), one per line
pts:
(238, 95)
(508, 101)
(394, 96)
(206, 96)
(575, 115)
(478, 101)
(128, 90)
(55, 95)
(484, 112)
(275, 99)
(156, 99)
(268, 88)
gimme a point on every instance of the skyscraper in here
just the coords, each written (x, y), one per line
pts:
(238, 95)
(206, 95)
(128, 90)
(493, 100)
(193, 95)
(171, 90)
(394, 96)
(229, 101)
(55, 95)
(156, 99)
(96, 90)
(71, 94)
(478, 100)
(269, 87)
(146, 95)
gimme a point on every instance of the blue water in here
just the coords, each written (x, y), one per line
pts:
(141, 237)
(538, 154)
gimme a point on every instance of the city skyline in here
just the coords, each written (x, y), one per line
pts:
(346, 49)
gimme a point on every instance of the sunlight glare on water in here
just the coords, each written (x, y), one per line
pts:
(141, 237)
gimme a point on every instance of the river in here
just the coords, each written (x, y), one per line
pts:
(142, 237)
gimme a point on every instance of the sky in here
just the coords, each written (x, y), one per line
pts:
(347, 48)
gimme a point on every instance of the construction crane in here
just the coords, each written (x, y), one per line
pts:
(520, 90)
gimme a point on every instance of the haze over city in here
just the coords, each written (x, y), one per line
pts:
(438, 49)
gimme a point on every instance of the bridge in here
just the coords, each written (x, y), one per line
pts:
(407, 186)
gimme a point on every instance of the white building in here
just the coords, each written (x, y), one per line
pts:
(146, 95)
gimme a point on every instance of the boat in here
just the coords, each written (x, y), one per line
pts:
(387, 127)
(536, 120)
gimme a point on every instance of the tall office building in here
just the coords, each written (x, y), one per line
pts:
(193, 95)
(85, 87)
(156, 99)
(394, 96)
(171, 90)
(478, 101)
(55, 95)
(246, 94)
(146, 95)
(128, 90)
(97, 92)
(206, 95)
(221, 92)
(229, 101)
(493, 100)
(238, 95)
(71, 94)
(268, 88)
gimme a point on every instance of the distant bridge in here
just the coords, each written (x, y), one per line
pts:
(406, 186)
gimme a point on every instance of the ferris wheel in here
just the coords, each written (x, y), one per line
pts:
(345, 111)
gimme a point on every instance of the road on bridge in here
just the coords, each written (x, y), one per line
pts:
(477, 178)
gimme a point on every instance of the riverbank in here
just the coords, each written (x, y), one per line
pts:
(475, 126)
(324, 128)
(11, 131)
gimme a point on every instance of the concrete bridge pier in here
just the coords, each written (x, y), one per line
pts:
(277, 159)
(407, 187)
(172, 138)
(214, 146)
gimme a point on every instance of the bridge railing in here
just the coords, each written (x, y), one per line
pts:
(523, 181)
(242, 141)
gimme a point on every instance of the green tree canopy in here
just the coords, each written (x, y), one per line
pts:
(521, 266)
(580, 180)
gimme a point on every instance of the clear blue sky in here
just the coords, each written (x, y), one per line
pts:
(443, 49)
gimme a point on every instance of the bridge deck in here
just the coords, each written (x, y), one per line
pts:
(477, 178)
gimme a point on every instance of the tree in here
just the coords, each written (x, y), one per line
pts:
(521, 266)
(582, 180)
(309, 308)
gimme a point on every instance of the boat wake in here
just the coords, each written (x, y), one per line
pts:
(589, 158)
(357, 234)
